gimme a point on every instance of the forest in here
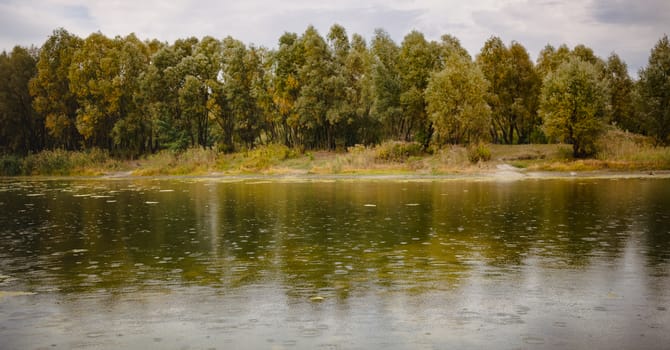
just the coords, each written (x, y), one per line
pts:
(131, 97)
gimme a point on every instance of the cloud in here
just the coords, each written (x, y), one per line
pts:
(643, 13)
(624, 27)
(631, 28)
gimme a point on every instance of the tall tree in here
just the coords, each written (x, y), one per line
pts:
(132, 133)
(621, 94)
(316, 94)
(21, 129)
(513, 90)
(387, 86)
(573, 105)
(359, 95)
(104, 76)
(94, 80)
(550, 58)
(200, 72)
(417, 60)
(160, 85)
(456, 102)
(654, 91)
(50, 88)
(285, 89)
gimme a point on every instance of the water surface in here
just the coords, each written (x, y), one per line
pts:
(190, 264)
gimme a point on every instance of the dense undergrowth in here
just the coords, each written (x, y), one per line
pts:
(617, 151)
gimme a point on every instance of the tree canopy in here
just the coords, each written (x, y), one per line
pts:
(134, 97)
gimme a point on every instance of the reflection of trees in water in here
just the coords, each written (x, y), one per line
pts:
(319, 237)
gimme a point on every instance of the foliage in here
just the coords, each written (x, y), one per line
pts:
(573, 105)
(654, 92)
(10, 165)
(397, 151)
(50, 89)
(513, 93)
(261, 158)
(134, 98)
(456, 104)
(62, 162)
(479, 152)
(20, 125)
(621, 94)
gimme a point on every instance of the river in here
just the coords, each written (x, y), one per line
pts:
(334, 264)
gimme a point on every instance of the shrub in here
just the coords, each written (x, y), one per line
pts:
(10, 165)
(479, 152)
(394, 151)
(263, 157)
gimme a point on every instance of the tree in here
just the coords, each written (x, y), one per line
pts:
(285, 89)
(456, 104)
(241, 73)
(132, 133)
(654, 92)
(316, 93)
(387, 86)
(21, 129)
(198, 76)
(50, 89)
(550, 58)
(104, 77)
(573, 105)
(417, 60)
(513, 91)
(93, 77)
(621, 94)
(159, 86)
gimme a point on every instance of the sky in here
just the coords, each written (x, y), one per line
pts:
(630, 28)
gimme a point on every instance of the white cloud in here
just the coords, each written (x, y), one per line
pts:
(628, 27)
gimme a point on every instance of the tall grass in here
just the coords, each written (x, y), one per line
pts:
(193, 161)
(624, 150)
(59, 162)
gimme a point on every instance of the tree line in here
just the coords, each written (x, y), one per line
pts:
(134, 97)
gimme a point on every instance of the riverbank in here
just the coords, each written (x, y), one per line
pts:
(389, 159)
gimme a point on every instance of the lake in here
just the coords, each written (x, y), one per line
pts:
(334, 264)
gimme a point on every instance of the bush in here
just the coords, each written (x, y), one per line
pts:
(10, 165)
(394, 151)
(263, 157)
(479, 153)
(55, 162)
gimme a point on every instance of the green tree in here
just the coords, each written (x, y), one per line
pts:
(104, 76)
(21, 129)
(363, 128)
(132, 133)
(550, 58)
(198, 103)
(285, 89)
(93, 77)
(387, 86)
(50, 89)
(654, 92)
(621, 94)
(456, 102)
(417, 60)
(316, 93)
(513, 91)
(242, 73)
(159, 86)
(573, 105)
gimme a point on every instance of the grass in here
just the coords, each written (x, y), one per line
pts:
(618, 151)
(60, 162)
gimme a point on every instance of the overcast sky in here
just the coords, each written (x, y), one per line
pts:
(628, 27)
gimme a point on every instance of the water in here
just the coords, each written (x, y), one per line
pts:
(209, 264)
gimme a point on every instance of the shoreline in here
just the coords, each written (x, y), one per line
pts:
(500, 174)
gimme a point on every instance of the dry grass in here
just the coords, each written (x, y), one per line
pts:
(619, 151)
